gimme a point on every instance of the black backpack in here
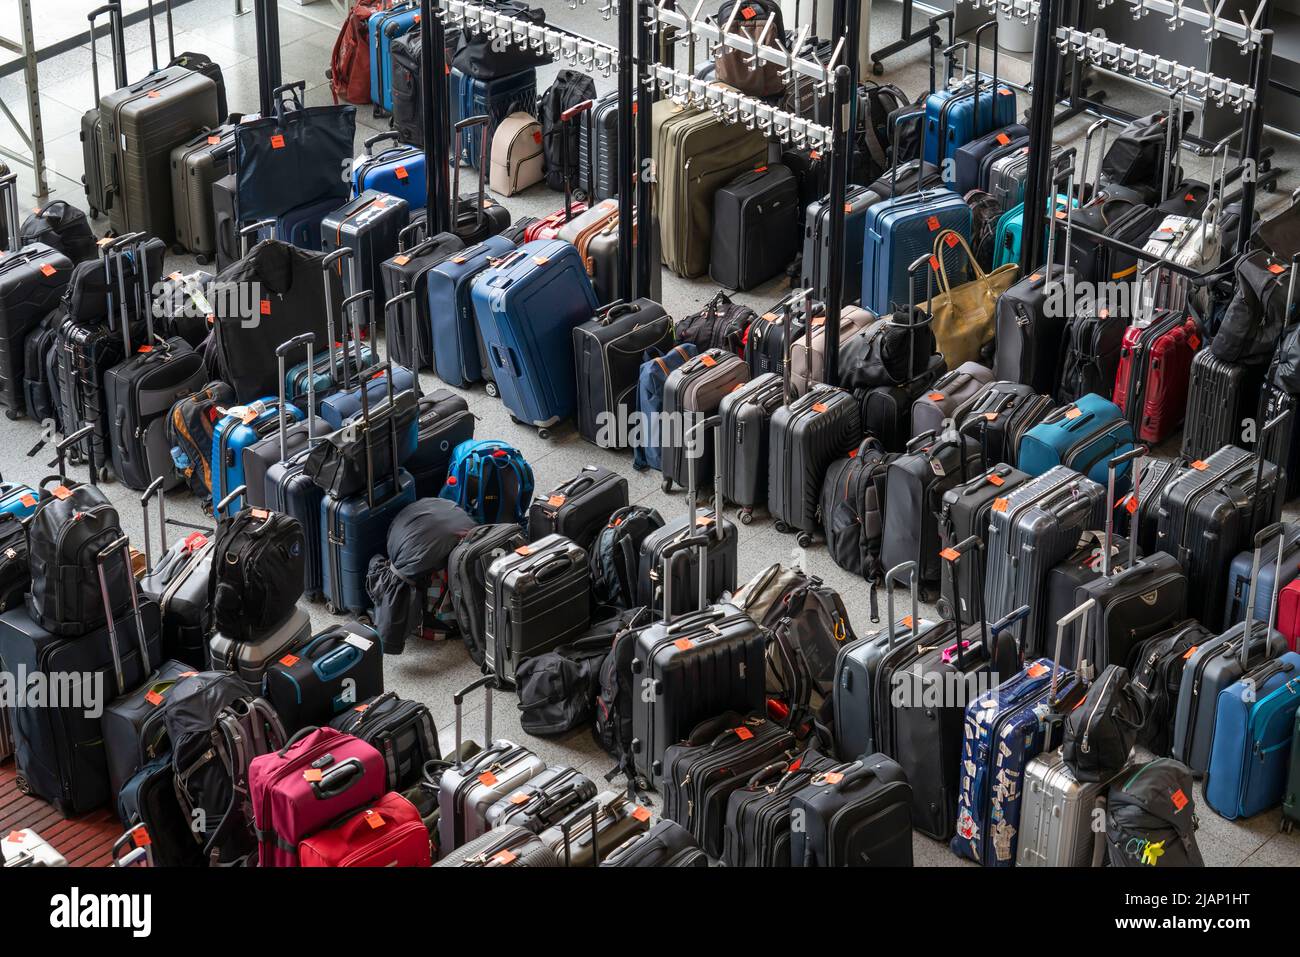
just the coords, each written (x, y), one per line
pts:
(1137, 156)
(878, 103)
(72, 525)
(257, 572)
(1255, 318)
(15, 572)
(613, 719)
(721, 324)
(1151, 818)
(558, 689)
(614, 557)
(805, 645)
(570, 88)
(63, 227)
(853, 510)
(1101, 732)
(889, 352)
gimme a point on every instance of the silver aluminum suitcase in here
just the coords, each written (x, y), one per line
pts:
(472, 785)
(1059, 817)
(1184, 241)
(1035, 526)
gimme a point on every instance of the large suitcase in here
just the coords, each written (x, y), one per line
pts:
(527, 307)
(92, 128)
(758, 824)
(693, 392)
(856, 815)
(142, 124)
(1084, 435)
(1222, 397)
(1154, 374)
(954, 118)
(746, 414)
(897, 232)
(196, 165)
(608, 350)
(370, 226)
(815, 272)
(458, 353)
(32, 280)
(496, 99)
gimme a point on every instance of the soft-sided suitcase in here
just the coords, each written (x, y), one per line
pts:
(527, 307)
(856, 815)
(666, 844)
(338, 668)
(578, 508)
(396, 171)
(369, 225)
(1000, 415)
(387, 833)
(545, 800)
(196, 165)
(758, 821)
(458, 354)
(755, 227)
(1084, 435)
(445, 421)
(32, 280)
(608, 351)
(746, 414)
(474, 784)
(400, 729)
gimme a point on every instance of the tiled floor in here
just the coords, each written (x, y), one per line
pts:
(433, 671)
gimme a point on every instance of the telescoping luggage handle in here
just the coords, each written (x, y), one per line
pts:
(112, 250)
(1277, 530)
(1174, 147)
(122, 547)
(582, 109)
(470, 121)
(368, 297)
(114, 12)
(61, 454)
(488, 683)
(234, 494)
(246, 234)
(1261, 443)
(1080, 615)
(698, 535)
(331, 321)
(952, 556)
(391, 318)
(913, 621)
(1112, 467)
(808, 308)
(1068, 176)
(9, 199)
(308, 340)
(1102, 125)
(591, 811)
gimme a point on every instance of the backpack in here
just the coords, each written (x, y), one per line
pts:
(853, 511)
(612, 727)
(349, 72)
(721, 324)
(656, 366)
(64, 227)
(614, 557)
(570, 88)
(216, 730)
(1151, 818)
(71, 526)
(1137, 155)
(257, 572)
(1101, 732)
(891, 351)
(806, 639)
(189, 435)
(491, 481)
(877, 105)
(986, 213)
(38, 393)
(557, 690)
(1256, 316)
(764, 79)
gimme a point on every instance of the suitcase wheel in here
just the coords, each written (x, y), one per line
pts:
(543, 434)
(746, 516)
(13, 415)
(203, 260)
(805, 540)
(332, 608)
(492, 390)
(1286, 826)
(877, 68)
(666, 485)
(23, 786)
(782, 527)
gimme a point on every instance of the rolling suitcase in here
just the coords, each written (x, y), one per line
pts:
(965, 512)
(301, 226)
(527, 307)
(691, 393)
(496, 99)
(397, 171)
(459, 357)
(608, 351)
(666, 844)
(814, 271)
(369, 225)
(758, 825)
(249, 660)
(388, 833)
(954, 118)
(755, 227)
(1084, 435)
(385, 27)
(400, 729)
(1058, 815)
(951, 399)
(334, 671)
(1000, 415)
(32, 281)
(1221, 399)
(598, 148)
(92, 126)
(579, 508)
(1291, 796)
(746, 414)
(543, 801)
(899, 230)
(467, 571)
(408, 271)
(178, 584)
(856, 815)
(238, 428)
(808, 355)
(586, 836)
(472, 785)
(196, 165)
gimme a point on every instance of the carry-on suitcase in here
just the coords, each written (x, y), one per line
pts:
(1085, 434)
(746, 414)
(899, 230)
(666, 844)
(240, 427)
(467, 571)
(543, 801)
(369, 225)
(178, 583)
(1154, 374)
(814, 272)
(586, 836)
(1058, 815)
(527, 307)
(473, 784)
(502, 847)
(965, 512)
(1222, 396)
(608, 350)
(301, 226)
(755, 227)
(286, 442)
(32, 280)
(598, 148)
(196, 165)
(951, 398)
(579, 508)
(396, 171)
(954, 118)
(758, 824)
(400, 729)
(319, 776)
(408, 271)
(856, 815)
(693, 392)
(251, 659)
(459, 358)
(1000, 415)
(387, 833)
(337, 669)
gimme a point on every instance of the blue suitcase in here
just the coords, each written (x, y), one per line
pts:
(954, 118)
(1249, 753)
(353, 400)
(527, 307)
(495, 99)
(898, 231)
(1083, 436)
(385, 27)
(457, 349)
(971, 159)
(17, 499)
(397, 171)
(1268, 584)
(301, 227)
(240, 427)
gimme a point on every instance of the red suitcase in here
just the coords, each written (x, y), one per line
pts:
(318, 777)
(1155, 367)
(1288, 613)
(388, 833)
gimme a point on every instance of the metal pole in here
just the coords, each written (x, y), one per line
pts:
(267, 22)
(627, 149)
(434, 97)
(1253, 137)
(646, 260)
(846, 21)
(1042, 108)
(840, 116)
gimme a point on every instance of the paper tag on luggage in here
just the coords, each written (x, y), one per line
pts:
(356, 641)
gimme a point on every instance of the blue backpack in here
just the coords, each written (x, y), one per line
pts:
(656, 366)
(491, 481)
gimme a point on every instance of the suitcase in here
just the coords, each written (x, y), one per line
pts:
(954, 118)
(703, 770)
(502, 847)
(459, 358)
(1090, 364)
(1084, 435)
(808, 354)
(1000, 415)
(301, 226)
(225, 219)
(600, 250)
(856, 815)
(338, 668)
(965, 511)
(666, 844)
(467, 571)
(1207, 514)
(251, 659)
(608, 350)
(408, 271)
(400, 729)
(804, 438)
(178, 584)
(445, 421)
(579, 508)
(898, 231)
(755, 227)
(196, 165)
(1006, 174)
(692, 393)
(766, 338)
(598, 148)
(537, 598)
(1158, 673)
(973, 160)
(369, 225)
(142, 123)
(1288, 614)
(1153, 379)
(1291, 797)
(1058, 815)
(396, 171)
(496, 99)
(1038, 525)
(814, 270)
(1221, 397)
(473, 784)
(240, 427)
(586, 836)
(527, 307)
(92, 127)
(1277, 569)
(388, 833)
(543, 801)
(758, 823)
(746, 414)
(951, 399)
(319, 776)
(1186, 241)
(385, 27)
(32, 281)
(132, 724)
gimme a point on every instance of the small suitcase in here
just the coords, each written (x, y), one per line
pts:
(467, 571)
(814, 271)
(965, 512)
(856, 815)
(385, 27)
(445, 421)
(301, 226)
(240, 427)
(579, 508)
(951, 398)
(598, 148)
(369, 225)
(388, 833)
(459, 357)
(666, 844)
(1058, 816)
(396, 171)
(250, 660)
(502, 847)
(758, 824)
(755, 227)
(1221, 397)
(543, 801)
(338, 668)
(408, 271)
(808, 354)
(178, 583)
(766, 339)
(32, 281)
(608, 350)
(691, 393)
(195, 168)
(401, 730)
(472, 785)
(1083, 435)
(585, 837)
(746, 414)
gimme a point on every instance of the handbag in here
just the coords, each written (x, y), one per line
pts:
(296, 156)
(1101, 732)
(964, 317)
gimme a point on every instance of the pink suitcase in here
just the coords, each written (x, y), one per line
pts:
(317, 778)
(1288, 613)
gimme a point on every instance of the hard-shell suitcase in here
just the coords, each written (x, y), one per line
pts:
(142, 123)
(301, 226)
(965, 512)
(250, 659)
(385, 27)
(196, 165)
(458, 354)
(954, 118)
(808, 354)
(804, 438)
(1154, 374)
(1275, 575)
(598, 148)
(1222, 396)
(814, 271)
(502, 847)
(1058, 816)
(240, 427)
(755, 227)
(543, 801)
(578, 508)
(527, 307)
(587, 835)
(337, 669)
(855, 815)
(1288, 614)
(369, 225)
(32, 280)
(467, 570)
(1084, 435)
(608, 351)
(92, 127)
(951, 398)
(746, 414)
(899, 230)
(693, 392)
(178, 583)
(396, 171)
(474, 784)
(496, 98)
(973, 160)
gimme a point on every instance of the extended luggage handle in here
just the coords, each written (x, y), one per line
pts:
(952, 556)
(566, 825)
(933, 32)
(1103, 125)
(9, 199)
(404, 237)
(307, 340)
(1068, 176)
(114, 11)
(712, 423)
(470, 121)
(233, 495)
(121, 546)
(918, 118)
(993, 98)
(247, 232)
(413, 333)
(1005, 623)
(1173, 146)
(666, 568)
(115, 286)
(153, 33)
(1112, 469)
(487, 682)
(327, 266)
(367, 296)
(154, 490)
(1260, 445)
(1262, 537)
(891, 576)
(1081, 615)
(583, 109)
(68, 441)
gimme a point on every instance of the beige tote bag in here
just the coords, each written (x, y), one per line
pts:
(964, 315)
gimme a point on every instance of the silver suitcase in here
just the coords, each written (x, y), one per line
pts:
(471, 786)
(250, 659)
(1062, 822)
(1007, 177)
(1184, 241)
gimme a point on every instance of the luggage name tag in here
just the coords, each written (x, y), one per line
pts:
(683, 644)
(950, 554)
(61, 492)
(1073, 412)
(153, 697)
(1190, 651)
(277, 142)
(819, 407)
(487, 779)
(541, 260)
(937, 467)
(997, 481)
(1200, 465)
(313, 775)
(743, 733)
(140, 835)
(401, 173)
(1131, 503)
(906, 623)
(999, 505)
(28, 499)
(1276, 269)
(519, 798)
(401, 260)
(1036, 670)
(153, 94)
(373, 818)
(748, 13)
(933, 223)
(1002, 139)
(832, 777)
(708, 361)
(935, 396)
(194, 542)
(358, 642)
(47, 270)
(1179, 799)
(214, 140)
(523, 551)
(265, 307)
(952, 240)
(188, 674)
(504, 857)
(16, 837)
(555, 501)
(537, 136)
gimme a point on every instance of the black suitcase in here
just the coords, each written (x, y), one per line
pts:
(467, 569)
(1158, 673)
(755, 227)
(758, 826)
(32, 281)
(178, 583)
(337, 669)
(746, 419)
(536, 598)
(1221, 396)
(1000, 415)
(400, 729)
(608, 350)
(445, 421)
(598, 145)
(579, 508)
(543, 800)
(854, 815)
(370, 226)
(666, 844)
(475, 217)
(714, 760)
(815, 269)
(225, 218)
(766, 345)
(1152, 475)
(965, 512)
(408, 272)
(886, 411)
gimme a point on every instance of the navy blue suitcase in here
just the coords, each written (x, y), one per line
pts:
(527, 307)
(301, 227)
(954, 118)
(370, 225)
(496, 99)
(970, 161)
(457, 351)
